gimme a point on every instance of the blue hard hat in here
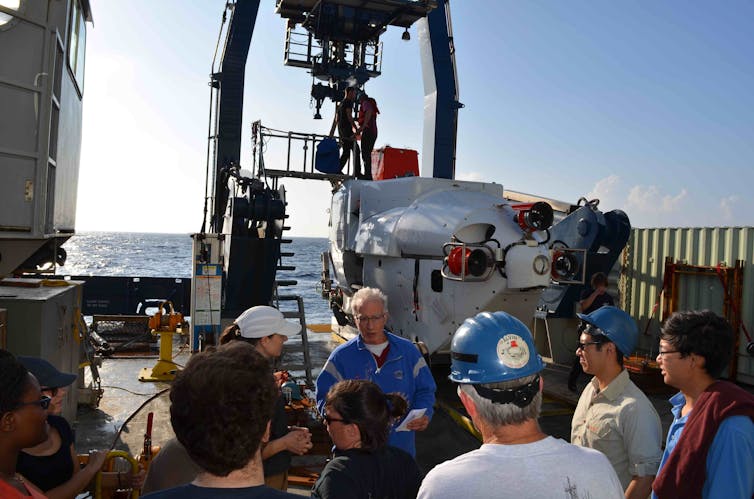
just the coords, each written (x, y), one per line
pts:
(493, 347)
(617, 325)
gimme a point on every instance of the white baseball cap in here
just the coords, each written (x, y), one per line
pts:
(261, 321)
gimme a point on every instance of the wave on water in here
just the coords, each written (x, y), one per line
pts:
(136, 254)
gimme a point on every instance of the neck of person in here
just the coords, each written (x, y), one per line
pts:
(699, 382)
(608, 374)
(250, 475)
(523, 433)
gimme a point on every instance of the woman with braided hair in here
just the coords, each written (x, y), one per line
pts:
(358, 416)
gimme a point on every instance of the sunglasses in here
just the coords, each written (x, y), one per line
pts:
(582, 346)
(44, 403)
(329, 420)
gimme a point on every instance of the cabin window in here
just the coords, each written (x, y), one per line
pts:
(6, 19)
(77, 44)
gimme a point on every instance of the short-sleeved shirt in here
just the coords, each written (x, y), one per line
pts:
(544, 469)
(622, 423)
(599, 300)
(280, 462)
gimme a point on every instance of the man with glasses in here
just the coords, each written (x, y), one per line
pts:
(592, 298)
(613, 415)
(392, 362)
(710, 446)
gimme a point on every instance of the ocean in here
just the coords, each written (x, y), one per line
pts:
(169, 255)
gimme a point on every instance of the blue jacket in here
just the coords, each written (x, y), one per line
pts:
(404, 371)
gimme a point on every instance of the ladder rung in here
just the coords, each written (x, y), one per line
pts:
(286, 241)
(286, 282)
(292, 314)
(286, 267)
(287, 253)
(285, 227)
(295, 367)
(287, 297)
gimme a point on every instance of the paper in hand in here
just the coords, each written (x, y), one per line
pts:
(414, 414)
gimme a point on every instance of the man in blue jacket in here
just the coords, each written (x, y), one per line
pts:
(392, 362)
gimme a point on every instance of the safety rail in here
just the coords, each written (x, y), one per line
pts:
(303, 50)
(298, 163)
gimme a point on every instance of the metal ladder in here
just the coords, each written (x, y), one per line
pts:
(297, 313)
(304, 347)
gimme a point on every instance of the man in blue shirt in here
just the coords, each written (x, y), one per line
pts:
(709, 451)
(392, 362)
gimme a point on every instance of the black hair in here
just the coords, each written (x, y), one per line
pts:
(221, 404)
(702, 333)
(597, 279)
(364, 403)
(14, 381)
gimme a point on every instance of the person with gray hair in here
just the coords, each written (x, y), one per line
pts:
(392, 362)
(497, 368)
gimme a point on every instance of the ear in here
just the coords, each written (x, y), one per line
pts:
(7, 422)
(468, 404)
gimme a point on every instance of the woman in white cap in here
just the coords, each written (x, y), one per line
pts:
(53, 464)
(266, 329)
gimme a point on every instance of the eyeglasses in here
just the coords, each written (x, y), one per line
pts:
(329, 420)
(667, 352)
(53, 391)
(582, 346)
(44, 403)
(367, 319)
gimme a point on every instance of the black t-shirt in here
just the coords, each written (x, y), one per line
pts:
(48, 472)
(280, 462)
(387, 473)
(190, 491)
(344, 124)
(599, 300)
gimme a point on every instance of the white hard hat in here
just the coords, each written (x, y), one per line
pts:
(261, 321)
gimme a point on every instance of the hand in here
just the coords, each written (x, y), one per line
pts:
(281, 377)
(298, 440)
(137, 480)
(418, 424)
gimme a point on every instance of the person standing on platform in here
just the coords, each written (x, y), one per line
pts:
(709, 451)
(367, 127)
(393, 363)
(592, 298)
(497, 369)
(347, 131)
(613, 416)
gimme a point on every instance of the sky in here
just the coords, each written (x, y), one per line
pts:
(646, 106)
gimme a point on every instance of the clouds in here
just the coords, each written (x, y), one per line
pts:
(656, 206)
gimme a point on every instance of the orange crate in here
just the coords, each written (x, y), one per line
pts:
(391, 162)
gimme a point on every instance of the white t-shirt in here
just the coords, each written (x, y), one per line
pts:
(545, 469)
